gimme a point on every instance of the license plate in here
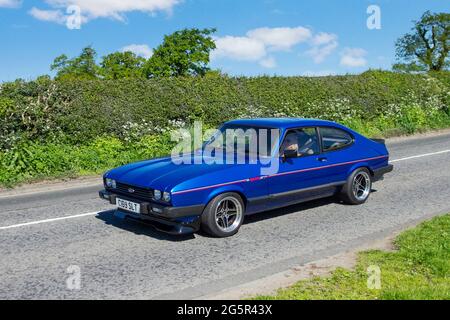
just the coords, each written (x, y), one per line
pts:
(128, 205)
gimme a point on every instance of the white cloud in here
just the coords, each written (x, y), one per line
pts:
(319, 53)
(353, 57)
(48, 15)
(323, 44)
(323, 38)
(10, 3)
(280, 38)
(142, 50)
(114, 9)
(256, 44)
(239, 48)
(268, 62)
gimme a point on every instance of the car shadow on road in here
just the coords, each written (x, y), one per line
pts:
(295, 208)
(290, 209)
(139, 228)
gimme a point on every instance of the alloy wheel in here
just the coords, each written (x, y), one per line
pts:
(361, 185)
(228, 214)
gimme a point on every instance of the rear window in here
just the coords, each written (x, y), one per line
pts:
(334, 139)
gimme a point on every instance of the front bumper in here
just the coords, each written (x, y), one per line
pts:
(379, 173)
(174, 220)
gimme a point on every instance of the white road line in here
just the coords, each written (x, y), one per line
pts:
(49, 220)
(420, 156)
(94, 213)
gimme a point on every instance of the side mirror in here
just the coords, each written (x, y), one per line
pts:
(290, 153)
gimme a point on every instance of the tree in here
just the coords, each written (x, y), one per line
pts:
(426, 48)
(183, 53)
(83, 66)
(120, 65)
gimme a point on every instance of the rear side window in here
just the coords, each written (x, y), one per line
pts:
(333, 139)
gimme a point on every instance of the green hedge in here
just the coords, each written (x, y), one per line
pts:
(52, 127)
(81, 110)
(30, 160)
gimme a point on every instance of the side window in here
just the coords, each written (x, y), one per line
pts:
(333, 139)
(304, 140)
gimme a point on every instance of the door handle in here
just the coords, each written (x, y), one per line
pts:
(322, 159)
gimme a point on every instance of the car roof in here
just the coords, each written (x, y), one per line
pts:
(282, 123)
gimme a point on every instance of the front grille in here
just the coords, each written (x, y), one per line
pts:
(139, 192)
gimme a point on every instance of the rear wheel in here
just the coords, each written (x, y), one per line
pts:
(357, 188)
(223, 215)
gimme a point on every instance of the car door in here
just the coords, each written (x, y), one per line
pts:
(298, 178)
(336, 152)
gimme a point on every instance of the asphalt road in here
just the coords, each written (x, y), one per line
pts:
(123, 259)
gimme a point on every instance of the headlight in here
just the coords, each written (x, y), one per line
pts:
(157, 194)
(166, 196)
(110, 183)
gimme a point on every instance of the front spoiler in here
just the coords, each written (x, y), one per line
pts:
(173, 220)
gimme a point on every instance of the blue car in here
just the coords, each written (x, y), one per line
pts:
(300, 160)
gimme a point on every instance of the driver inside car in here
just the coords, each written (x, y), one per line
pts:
(293, 140)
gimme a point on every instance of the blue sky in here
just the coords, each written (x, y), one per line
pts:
(290, 37)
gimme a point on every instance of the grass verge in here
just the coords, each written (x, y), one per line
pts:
(418, 269)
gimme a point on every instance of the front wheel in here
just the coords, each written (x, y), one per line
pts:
(358, 186)
(223, 216)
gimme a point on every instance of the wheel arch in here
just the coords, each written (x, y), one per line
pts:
(227, 189)
(360, 165)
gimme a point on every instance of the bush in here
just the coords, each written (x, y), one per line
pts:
(36, 160)
(80, 110)
(52, 127)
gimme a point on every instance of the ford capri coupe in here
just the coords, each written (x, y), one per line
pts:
(303, 160)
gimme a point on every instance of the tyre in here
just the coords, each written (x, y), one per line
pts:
(357, 188)
(223, 216)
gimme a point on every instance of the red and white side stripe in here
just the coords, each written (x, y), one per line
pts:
(276, 175)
